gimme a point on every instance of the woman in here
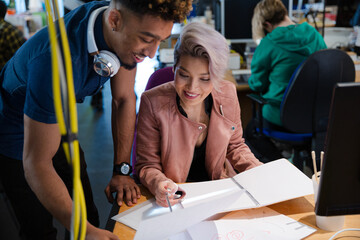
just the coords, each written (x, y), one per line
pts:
(190, 129)
(284, 47)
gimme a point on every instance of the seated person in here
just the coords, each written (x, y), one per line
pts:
(284, 47)
(11, 38)
(189, 129)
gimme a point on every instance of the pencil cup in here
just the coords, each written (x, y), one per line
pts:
(327, 223)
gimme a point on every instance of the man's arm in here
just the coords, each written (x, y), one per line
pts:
(41, 142)
(123, 125)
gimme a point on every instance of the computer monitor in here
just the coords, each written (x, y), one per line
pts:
(339, 188)
(235, 17)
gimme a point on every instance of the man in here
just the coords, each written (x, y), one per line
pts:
(11, 38)
(128, 31)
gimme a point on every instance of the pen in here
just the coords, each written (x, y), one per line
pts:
(321, 159)
(314, 163)
(168, 201)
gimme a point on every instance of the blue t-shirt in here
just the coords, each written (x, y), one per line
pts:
(26, 80)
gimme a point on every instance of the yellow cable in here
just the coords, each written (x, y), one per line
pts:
(56, 79)
(69, 77)
(71, 148)
(73, 127)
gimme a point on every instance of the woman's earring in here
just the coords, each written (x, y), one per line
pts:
(113, 29)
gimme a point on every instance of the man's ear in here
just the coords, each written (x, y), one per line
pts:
(115, 19)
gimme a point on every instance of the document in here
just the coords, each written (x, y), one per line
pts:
(267, 184)
(270, 183)
(259, 223)
(149, 208)
(156, 226)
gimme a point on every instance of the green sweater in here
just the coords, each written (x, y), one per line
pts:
(275, 60)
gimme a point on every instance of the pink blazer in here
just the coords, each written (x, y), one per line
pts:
(166, 139)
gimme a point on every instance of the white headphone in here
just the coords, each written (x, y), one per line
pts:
(106, 63)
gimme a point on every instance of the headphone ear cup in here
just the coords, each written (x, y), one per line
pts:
(106, 64)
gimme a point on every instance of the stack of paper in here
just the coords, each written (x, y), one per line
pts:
(266, 184)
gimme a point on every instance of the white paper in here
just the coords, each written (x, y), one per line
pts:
(263, 223)
(197, 190)
(181, 236)
(133, 216)
(162, 226)
(201, 191)
(275, 182)
(270, 183)
(149, 208)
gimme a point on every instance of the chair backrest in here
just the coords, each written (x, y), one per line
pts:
(305, 106)
(159, 77)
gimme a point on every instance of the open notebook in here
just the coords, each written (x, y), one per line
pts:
(270, 183)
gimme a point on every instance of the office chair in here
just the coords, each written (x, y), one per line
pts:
(159, 77)
(305, 105)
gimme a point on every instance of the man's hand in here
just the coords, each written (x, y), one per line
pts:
(126, 189)
(93, 233)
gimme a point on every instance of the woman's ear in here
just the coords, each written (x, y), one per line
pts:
(268, 27)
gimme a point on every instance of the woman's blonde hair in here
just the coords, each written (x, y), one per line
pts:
(200, 40)
(272, 11)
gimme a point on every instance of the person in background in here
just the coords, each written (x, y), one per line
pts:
(189, 129)
(34, 171)
(284, 45)
(11, 38)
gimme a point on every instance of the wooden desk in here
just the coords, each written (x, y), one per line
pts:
(357, 65)
(299, 209)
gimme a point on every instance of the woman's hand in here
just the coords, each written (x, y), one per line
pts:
(168, 188)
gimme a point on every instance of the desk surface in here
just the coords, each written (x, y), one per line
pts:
(357, 76)
(245, 86)
(299, 209)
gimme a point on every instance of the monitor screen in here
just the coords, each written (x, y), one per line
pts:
(339, 189)
(236, 18)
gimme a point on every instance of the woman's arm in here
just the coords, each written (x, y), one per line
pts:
(148, 147)
(148, 153)
(238, 153)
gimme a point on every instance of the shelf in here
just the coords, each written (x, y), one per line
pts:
(241, 72)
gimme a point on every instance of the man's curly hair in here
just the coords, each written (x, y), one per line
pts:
(169, 10)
